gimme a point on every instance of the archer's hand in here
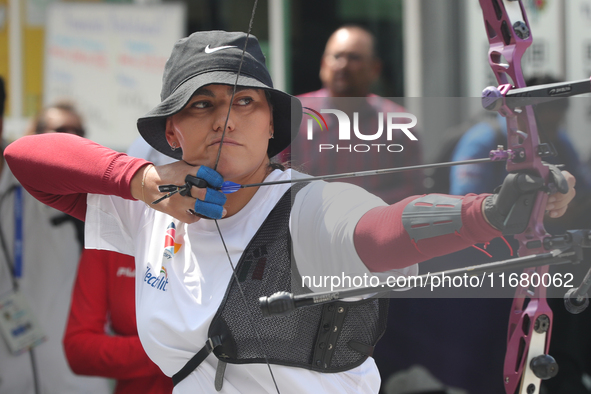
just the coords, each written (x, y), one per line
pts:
(197, 203)
(558, 202)
(510, 209)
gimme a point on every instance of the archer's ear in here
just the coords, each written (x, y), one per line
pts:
(170, 133)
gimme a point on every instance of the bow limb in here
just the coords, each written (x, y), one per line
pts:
(531, 318)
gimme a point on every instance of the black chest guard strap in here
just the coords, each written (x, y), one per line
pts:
(333, 337)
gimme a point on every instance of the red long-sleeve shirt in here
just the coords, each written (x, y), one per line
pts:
(60, 169)
(82, 167)
(105, 291)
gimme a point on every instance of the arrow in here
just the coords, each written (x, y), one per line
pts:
(231, 187)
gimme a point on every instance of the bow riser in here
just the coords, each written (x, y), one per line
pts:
(503, 43)
(507, 43)
(522, 132)
(522, 139)
(524, 343)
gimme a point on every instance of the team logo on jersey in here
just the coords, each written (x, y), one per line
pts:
(170, 249)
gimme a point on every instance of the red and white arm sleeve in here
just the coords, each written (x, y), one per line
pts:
(381, 232)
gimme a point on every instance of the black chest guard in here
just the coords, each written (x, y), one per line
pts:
(332, 337)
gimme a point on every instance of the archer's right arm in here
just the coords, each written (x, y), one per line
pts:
(61, 169)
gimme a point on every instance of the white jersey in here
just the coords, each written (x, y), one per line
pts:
(183, 273)
(49, 264)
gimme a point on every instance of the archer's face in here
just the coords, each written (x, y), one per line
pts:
(197, 129)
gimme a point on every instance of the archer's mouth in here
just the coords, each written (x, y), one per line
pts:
(227, 141)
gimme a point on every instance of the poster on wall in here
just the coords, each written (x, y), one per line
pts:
(109, 59)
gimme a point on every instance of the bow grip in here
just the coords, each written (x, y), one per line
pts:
(558, 179)
(514, 186)
(510, 210)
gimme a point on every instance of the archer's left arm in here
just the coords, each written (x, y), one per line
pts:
(422, 227)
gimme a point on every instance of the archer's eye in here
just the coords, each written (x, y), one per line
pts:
(200, 104)
(244, 101)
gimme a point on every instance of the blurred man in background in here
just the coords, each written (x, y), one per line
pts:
(348, 69)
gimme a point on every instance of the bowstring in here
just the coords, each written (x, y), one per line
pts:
(235, 84)
(249, 314)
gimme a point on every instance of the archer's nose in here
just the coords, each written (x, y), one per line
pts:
(221, 116)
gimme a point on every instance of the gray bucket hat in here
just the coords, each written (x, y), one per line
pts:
(213, 57)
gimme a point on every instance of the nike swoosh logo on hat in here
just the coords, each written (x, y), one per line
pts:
(211, 50)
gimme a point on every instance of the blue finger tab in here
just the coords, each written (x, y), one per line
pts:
(213, 204)
(212, 177)
(215, 197)
(208, 209)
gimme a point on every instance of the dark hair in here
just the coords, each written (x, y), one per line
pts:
(273, 165)
(268, 96)
(2, 97)
(67, 106)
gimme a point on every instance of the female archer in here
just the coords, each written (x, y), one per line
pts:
(190, 301)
